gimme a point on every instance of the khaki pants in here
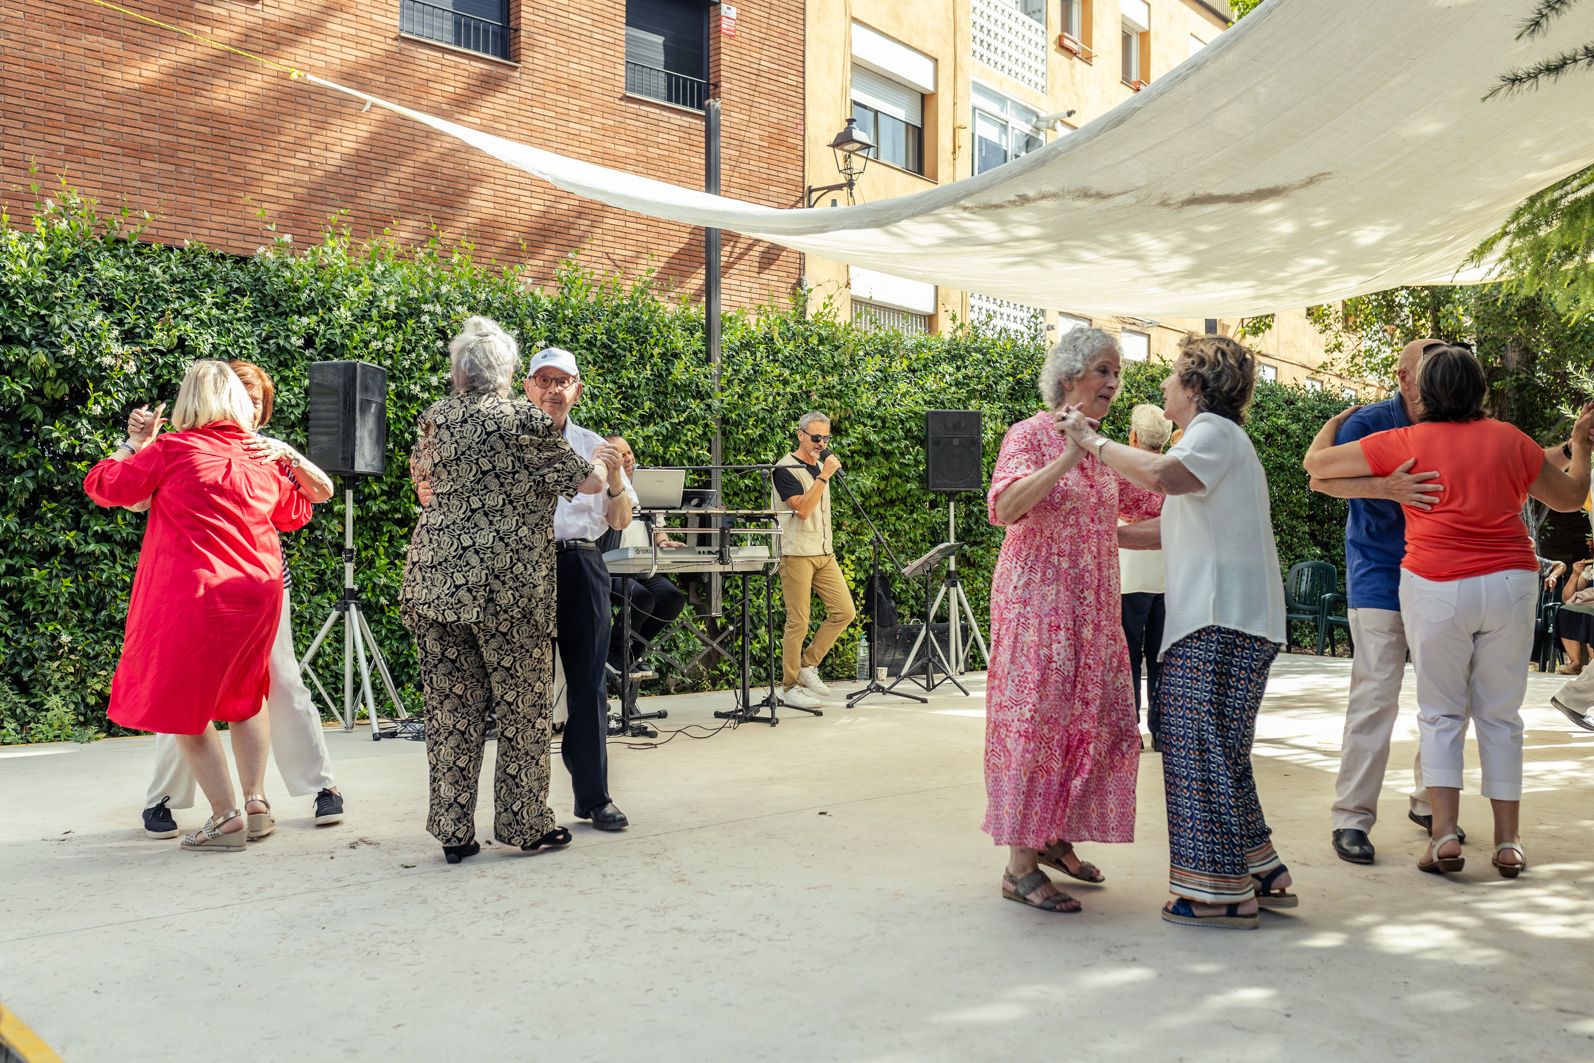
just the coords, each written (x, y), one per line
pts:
(800, 579)
(1376, 672)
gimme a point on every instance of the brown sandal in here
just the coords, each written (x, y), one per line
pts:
(1055, 857)
(1020, 889)
(1508, 870)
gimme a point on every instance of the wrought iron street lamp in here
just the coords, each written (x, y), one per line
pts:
(851, 147)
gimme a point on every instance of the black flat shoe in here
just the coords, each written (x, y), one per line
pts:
(1426, 823)
(1353, 846)
(557, 838)
(605, 817)
(455, 853)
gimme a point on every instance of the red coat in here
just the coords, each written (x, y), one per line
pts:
(208, 592)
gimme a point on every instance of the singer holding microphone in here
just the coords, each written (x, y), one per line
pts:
(801, 496)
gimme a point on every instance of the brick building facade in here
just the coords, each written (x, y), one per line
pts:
(217, 145)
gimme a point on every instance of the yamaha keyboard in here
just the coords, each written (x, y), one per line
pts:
(631, 560)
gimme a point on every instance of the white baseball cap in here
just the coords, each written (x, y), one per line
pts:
(557, 357)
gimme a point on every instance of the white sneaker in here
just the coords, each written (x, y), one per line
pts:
(800, 697)
(809, 677)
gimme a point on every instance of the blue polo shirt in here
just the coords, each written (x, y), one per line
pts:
(1375, 529)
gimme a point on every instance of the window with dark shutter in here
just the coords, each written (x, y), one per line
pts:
(474, 25)
(666, 51)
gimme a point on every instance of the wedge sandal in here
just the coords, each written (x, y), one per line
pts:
(1443, 865)
(1268, 897)
(1509, 870)
(261, 824)
(1020, 889)
(1183, 913)
(212, 839)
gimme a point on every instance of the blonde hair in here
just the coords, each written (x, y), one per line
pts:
(212, 392)
(1150, 426)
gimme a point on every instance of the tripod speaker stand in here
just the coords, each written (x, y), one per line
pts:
(359, 646)
(954, 657)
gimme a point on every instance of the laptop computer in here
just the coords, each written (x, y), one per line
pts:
(659, 488)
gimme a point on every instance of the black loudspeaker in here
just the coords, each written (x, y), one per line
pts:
(953, 460)
(348, 418)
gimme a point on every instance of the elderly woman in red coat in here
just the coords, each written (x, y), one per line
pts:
(207, 596)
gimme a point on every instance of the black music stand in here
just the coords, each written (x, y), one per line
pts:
(877, 542)
(925, 648)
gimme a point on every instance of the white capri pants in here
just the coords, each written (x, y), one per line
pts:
(297, 744)
(1470, 640)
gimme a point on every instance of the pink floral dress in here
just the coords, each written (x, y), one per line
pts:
(1061, 742)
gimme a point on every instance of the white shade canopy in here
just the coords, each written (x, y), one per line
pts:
(1320, 149)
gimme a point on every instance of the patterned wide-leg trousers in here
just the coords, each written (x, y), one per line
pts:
(1212, 684)
(504, 664)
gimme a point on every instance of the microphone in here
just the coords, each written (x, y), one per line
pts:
(824, 456)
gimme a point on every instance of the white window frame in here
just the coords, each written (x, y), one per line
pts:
(1270, 373)
(1067, 323)
(1008, 113)
(1312, 385)
(1073, 19)
(1141, 342)
(1135, 21)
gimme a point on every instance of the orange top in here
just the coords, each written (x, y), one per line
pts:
(1476, 526)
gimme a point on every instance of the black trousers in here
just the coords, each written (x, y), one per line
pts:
(655, 602)
(1143, 615)
(582, 609)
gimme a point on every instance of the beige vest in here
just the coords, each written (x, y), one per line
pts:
(802, 538)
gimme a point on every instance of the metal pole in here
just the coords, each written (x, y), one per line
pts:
(711, 280)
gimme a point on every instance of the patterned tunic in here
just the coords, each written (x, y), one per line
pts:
(1061, 739)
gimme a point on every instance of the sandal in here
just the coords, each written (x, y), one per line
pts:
(1183, 913)
(1509, 870)
(212, 839)
(1268, 897)
(557, 838)
(1443, 865)
(1020, 889)
(261, 824)
(1055, 858)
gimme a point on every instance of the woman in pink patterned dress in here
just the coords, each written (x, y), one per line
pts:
(1061, 739)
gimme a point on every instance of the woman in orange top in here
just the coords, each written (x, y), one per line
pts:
(1468, 584)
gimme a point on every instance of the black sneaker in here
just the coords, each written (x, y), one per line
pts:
(328, 808)
(159, 821)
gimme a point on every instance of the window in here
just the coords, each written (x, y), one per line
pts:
(876, 318)
(1136, 345)
(1067, 323)
(1035, 9)
(1349, 395)
(892, 115)
(1004, 129)
(1314, 385)
(475, 25)
(880, 300)
(666, 51)
(1076, 19)
(1136, 38)
(1267, 372)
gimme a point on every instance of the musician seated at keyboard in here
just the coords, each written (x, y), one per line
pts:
(655, 600)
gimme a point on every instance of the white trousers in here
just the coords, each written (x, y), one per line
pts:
(297, 744)
(1578, 693)
(1470, 640)
(1376, 672)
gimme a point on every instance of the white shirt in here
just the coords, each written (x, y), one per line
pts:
(1140, 572)
(1217, 543)
(582, 517)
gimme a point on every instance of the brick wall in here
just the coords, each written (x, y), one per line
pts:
(210, 141)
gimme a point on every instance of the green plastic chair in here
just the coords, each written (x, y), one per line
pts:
(1309, 583)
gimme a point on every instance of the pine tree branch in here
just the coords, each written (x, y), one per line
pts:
(1538, 23)
(1523, 78)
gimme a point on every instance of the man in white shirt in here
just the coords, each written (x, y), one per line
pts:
(553, 383)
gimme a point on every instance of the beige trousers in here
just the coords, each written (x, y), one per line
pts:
(800, 579)
(1375, 676)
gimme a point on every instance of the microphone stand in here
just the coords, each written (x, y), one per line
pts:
(876, 543)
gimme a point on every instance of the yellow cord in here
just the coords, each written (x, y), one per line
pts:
(290, 71)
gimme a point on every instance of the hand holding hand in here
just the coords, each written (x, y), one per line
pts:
(1073, 423)
(1419, 490)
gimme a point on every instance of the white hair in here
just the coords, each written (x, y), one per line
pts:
(1151, 426)
(1068, 358)
(809, 418)
(483, 357)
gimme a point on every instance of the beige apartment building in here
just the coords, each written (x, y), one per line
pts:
(952, 88)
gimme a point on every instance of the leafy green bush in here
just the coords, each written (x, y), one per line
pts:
(94, 322)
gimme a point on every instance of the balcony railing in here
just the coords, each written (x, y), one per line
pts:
(665, 86)
(444, 26)
(873, 317)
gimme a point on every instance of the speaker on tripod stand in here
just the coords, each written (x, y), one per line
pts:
(953, 464)
(348, 437)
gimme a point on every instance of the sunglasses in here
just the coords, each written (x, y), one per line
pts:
(819, 439)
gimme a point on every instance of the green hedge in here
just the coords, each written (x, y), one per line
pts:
(94, 322)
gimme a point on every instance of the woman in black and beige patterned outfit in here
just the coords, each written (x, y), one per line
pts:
(479, 591)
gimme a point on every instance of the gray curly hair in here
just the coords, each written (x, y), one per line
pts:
(1066, 361)
(483, 357)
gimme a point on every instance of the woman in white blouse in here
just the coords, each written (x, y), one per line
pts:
(1225, 622)
(1141, 583)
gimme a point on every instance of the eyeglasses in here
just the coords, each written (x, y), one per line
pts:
(549, 383)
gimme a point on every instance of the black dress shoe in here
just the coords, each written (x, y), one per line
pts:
(1426, 823)
(455, 853)
(605, 817)
(1353, 846)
